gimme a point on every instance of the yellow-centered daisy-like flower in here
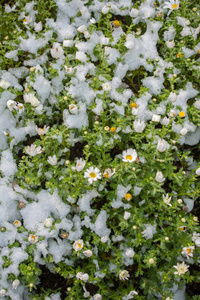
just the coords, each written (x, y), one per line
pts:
(182, 114)
(178, 55)
(133, 105)
(129, 155)
(128, 197)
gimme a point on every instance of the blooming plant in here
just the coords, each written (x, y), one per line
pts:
(99, 139)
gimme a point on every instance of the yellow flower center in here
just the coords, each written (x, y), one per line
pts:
(128, 157)
(113, 129)
(92, 175)
(24, 20)
(116, 23)
(188, 250)
(133, 104)
(80, 246)
(174, 6)
(179, 55)
(16, 222)
(33, 237)
(182, 114)
(106, 175)
(20, 106)
(128, 197)
(199, 51)
(182, 228)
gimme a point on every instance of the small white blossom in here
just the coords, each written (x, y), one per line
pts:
(41, 131)
(33, 150)
(86, 34)
(162, 145)
(92, 174)
(129, 155)
(108, 173)
(4, 84)
(11, 104)
(130, 253)
(197, 171)
(20, 107)
(188, 251)
(105, 9)
(69, 70)
(15, 284)
(172, 97)
(156, 118)
(171, 5)
(73, 108)
(106, 86)
(195, 236)
(104, 239)
(134, 111)
(197, 242)
(104, 40)
(52, 160)
(32, 238)
(82, 28)
(86, 294)
(57, 50)
(87, 253)
(167, 199)
(165, 121)
(181, 268)
(80, 164)
(159, 177)
(30, 98)
(82, 276)
(139, 126)
(134, 13)
(17, 223)
(78, 245)
(97, 297)
(48, 222)
(27, 20)
(2, 292)
(124, 275)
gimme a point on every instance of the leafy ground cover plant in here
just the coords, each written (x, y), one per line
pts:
(99, 187)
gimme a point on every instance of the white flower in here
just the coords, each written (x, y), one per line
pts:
(4, 84)
(30, 98)
(127, 215)
(48, 222)
(124, 275)
(86, 294)
(92, 174)
(93, 21)
(131, 294)
(172, 113)
(197, 171)
(195, 236)
(41, 131)
(87, 253)
(167, 199)
(197, 241)
(57, 50)
(11, 104)
(188, 251)
(38, 26)
(82, 28)
(183, 131)
(104, 239)
(108, 173)
(168, 298)
(32, 238)
(170, 44)
(17, 223)
(97, 297)
(86, 34)
(20, 107)
(33, 150)
(181, 268)
(130, 41)
(172, 97)
(130, 253)
(156, 118)
(172, 5)
(151, 261)
(68, 70)
(68, 43)
(52, 160)
(82, 276)
(15, 284)
(159, 177)
(165, 121)
(80, 164)
(139, 125)
(78, 245)
(106, 86)
(73, 109)
(197, 104)
(2, 292)
(105, 9)
(162, 145)
(27, 20)
(129, 155)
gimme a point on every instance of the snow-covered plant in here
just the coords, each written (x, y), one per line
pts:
(99, 140)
